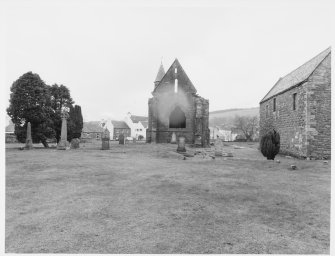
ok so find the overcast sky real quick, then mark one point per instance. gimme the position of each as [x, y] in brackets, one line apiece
[108, 52]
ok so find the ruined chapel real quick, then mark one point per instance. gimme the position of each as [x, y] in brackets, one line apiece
[176, 108]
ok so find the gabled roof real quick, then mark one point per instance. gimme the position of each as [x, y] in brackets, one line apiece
[120, 125]
[160, 74]
[181, 74]
[137, 119]
[297, 76]
[145, 124]
[93, 126]
[10, 128]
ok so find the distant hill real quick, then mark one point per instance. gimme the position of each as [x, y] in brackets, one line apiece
[227, 116]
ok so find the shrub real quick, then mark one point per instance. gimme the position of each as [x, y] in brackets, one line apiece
[270, 144]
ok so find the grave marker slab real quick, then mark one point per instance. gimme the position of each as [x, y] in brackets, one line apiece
[29, 141]
[181, 144]
[105, 139]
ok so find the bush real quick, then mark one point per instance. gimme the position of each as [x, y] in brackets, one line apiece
[270, 144]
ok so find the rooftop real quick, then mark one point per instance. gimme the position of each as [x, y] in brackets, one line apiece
[297, 76]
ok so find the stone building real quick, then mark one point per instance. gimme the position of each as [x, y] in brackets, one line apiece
[176, 107]
[92, 130]
[120, 127]
[299, 107]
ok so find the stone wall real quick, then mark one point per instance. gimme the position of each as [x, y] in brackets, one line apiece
[305, 131]
[319, 111]
[288, 122]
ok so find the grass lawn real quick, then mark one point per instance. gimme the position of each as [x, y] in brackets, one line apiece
[142, 198]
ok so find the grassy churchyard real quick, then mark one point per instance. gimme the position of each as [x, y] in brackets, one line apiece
[142, 198]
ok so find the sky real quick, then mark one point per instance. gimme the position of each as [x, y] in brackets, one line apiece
[108, 52]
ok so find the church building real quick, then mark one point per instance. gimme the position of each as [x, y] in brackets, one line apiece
[176, 108]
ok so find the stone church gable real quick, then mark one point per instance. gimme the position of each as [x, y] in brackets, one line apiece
[175, 108]
[167, 83]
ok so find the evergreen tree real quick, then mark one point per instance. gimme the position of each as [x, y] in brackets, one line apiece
[30, 101]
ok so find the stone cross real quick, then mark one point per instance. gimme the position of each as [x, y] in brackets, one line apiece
[29, 141]
[105, 139]
[173, 138]
[63, 143]
[181, 144]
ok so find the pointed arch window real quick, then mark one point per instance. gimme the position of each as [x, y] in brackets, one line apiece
[177, 118]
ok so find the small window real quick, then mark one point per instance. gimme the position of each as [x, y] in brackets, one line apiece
[267, 110]
[274, 105]
[176, 85]
[175, 70]
[294, 100]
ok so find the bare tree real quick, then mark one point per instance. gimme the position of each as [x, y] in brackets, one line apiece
[248, 125]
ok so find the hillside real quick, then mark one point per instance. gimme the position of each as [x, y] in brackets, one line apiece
[227, 116]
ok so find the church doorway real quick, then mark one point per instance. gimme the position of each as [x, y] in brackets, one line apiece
[177, 118]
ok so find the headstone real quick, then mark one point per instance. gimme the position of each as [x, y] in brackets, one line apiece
[29, 141]
[197, 141]
[105, 139]
[121, 139]
[218, 145]
[63, 144]
[75, 143]
[181, 144]
[173, 138]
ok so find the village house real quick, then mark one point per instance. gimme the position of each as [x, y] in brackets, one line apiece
[176, 108]
[298, 106]
[120, 127]
[138, 125]
[222, 133]
[92, 130]
[10, 136]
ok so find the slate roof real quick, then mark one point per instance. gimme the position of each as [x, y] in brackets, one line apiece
[120, 125]
[297, 76]
[160, 74]
[93, 126]
[145, 124]
[137, 119]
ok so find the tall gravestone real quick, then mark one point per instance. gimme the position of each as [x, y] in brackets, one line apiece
[29, 141]
[173, 138]
[218, 145]
[75, 143]
[105, 139]
[121, 139]
[63, 143]
[181, 144]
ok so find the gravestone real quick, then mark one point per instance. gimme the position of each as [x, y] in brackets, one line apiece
[218, 145]
[197, 141]
[105, 139]
[63, 144]
[121, 139]
[173, 138]
[181, 144]
[29, 141]
[75, 143]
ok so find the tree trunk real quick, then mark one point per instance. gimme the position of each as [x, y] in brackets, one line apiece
[45, 143]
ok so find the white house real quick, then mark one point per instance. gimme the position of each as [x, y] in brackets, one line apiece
[224, 134]
[137, 125]
[107, 123]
